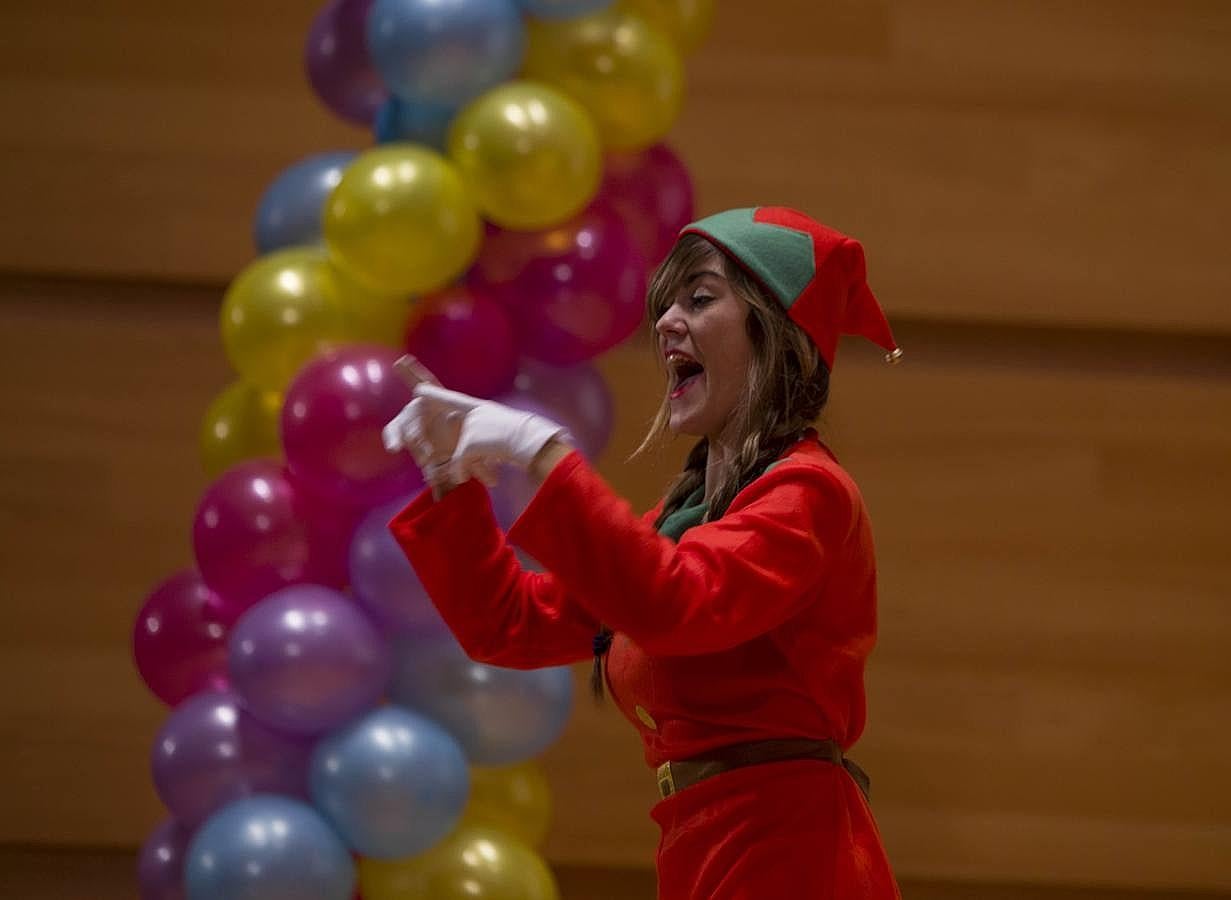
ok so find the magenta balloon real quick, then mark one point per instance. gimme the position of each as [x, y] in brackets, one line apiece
[337, 62]
[160, 867]
[572, 291]
[250, 535]
[331, 423]
[307, 659]
[652, 192]
[210, 752]
[577, 397]
[383, 581]
[179, 639]
[467, 341]
[331, 526]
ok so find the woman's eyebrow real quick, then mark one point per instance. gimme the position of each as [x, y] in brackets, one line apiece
[701, 273]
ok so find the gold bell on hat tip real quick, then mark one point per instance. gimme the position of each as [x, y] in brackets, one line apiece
[894, 357]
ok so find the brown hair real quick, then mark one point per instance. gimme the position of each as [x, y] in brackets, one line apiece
[786, 389]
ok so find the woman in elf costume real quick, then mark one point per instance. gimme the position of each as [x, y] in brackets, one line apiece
[736, 616]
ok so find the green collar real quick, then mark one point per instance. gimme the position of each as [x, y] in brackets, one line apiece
[691, 512]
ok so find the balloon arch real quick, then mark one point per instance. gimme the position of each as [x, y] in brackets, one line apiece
[327, 737]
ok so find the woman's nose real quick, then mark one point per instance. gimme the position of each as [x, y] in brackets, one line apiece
[669, 323]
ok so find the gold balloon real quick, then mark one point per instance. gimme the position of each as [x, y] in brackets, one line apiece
[401, 220]
[627, 75]
[513, 799]
[241, 423]
[280, 312]
[684, 21]
[529, 154]
[471, 864]
[375, 318]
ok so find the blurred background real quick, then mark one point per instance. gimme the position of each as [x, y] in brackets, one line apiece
[1043, 191]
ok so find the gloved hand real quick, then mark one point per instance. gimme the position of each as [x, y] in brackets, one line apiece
[489, 433]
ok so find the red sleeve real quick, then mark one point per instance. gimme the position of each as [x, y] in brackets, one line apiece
[724, 583]
[499, 613]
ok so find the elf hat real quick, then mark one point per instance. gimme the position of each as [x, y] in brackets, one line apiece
[817, 274]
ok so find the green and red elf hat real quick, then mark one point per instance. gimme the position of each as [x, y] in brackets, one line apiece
[818, 274]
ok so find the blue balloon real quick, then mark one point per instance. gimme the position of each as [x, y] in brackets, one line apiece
[383, 581]
[289, 213]
[392, 783]
[422, 123]
[563, 9]
[499, 716]
[445, 52]
[268, 848]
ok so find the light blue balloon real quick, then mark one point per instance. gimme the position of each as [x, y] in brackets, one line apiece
[289, 213]
[499, 716]
[445, 52]
[422, 123]
[563, 9]
[267, 847]
[392, 783]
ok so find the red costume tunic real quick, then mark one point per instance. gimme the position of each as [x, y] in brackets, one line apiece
[753, 626]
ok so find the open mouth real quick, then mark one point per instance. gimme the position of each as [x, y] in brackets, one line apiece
[685, 372]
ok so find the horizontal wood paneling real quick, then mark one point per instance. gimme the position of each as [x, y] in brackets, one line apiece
[1048, 698]
[1014, 160]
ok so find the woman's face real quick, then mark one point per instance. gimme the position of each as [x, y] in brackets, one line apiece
[704, 340]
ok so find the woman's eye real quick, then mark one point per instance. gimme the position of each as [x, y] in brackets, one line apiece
[701, 299]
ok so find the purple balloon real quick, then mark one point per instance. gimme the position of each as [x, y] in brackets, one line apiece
[251, 537]
[179, 639]
[384, 582]
[160, 867]
[331, 423]
[210, 752]
[573, 291]
[338, 65]
[652, 192]
[307, 659]
[577, 397]
[467, 341]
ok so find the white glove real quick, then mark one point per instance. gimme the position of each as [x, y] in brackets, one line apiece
[490, 433]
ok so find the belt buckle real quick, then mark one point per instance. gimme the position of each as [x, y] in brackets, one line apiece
[666, 781]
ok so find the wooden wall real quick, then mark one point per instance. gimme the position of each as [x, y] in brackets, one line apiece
[1041, 188]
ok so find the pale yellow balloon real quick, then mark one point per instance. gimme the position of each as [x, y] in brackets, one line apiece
[280, 312]
[512, 799]
[627, 75]
[529, 155]
[241, 423]
[471, 864]
[375, 318]
[401, 220]
[686, 22]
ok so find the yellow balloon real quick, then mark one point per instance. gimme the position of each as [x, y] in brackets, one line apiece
[627, 75]
[513, 799]
[241, 423]
[471, 864]
[529, 154]
[401, 220]
[280, 312]
[686, 22]
[375, 318]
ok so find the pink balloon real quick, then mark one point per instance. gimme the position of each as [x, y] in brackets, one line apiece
[653, 192]
[336, 58]
[332, 418]
[179, 639]
[573, 291]
[467, 341]
[250, 536]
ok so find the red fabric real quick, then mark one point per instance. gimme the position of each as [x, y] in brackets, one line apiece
[754, 626]
[838, 300]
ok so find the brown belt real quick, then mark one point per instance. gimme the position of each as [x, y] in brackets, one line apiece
[675, 776]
